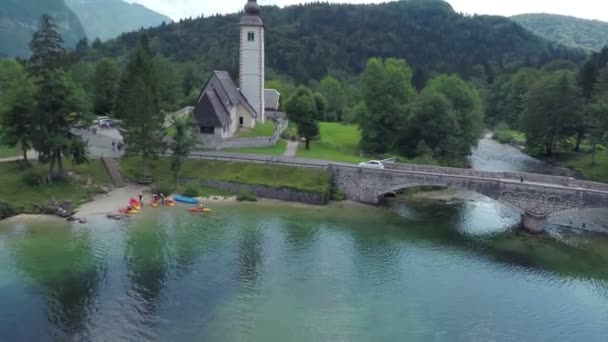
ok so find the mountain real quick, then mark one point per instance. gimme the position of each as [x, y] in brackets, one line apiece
[305, 41]
[566, 30]
[19, 20]
[106, 19]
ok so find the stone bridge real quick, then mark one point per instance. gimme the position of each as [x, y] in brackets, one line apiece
[535, 196]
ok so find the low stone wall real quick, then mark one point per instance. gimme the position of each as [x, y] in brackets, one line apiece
[283, 194]
[213, 142]
[246, 142]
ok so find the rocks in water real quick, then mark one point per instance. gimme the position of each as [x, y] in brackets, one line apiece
[74, 219]
[115, 216]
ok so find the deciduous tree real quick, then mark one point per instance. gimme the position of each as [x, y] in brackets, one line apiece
[386, 90]
[552, 104]
[183, 141]
[301, 111]
[332, 90]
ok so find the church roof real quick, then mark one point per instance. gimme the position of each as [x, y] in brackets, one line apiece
[210, 112]
[252, 14]
[217, 99]
[271, 99]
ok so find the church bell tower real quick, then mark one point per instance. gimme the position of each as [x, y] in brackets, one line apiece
[251, 58]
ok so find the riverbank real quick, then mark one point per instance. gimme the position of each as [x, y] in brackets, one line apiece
[24, 190]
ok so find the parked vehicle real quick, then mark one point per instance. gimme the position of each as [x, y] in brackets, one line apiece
[107, 123]
[100, 119]
[372, 164]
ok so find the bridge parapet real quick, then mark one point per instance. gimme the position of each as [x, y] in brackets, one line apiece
[370, 186]
[516, 176]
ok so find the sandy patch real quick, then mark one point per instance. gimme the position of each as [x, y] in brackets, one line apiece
[112, 201]
[222, 199]
[31, 218]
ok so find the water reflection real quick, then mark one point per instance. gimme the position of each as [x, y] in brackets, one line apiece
[265, 273]
[146, 263]
[66, 267]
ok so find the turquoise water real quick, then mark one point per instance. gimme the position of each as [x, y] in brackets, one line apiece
[260, 272]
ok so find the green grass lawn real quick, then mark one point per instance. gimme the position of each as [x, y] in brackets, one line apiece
[275, 150]
[581, 162]
[256, 174]
[260, 130]
[338, 142]
[19, 194]
[320, 150]
[7, 152]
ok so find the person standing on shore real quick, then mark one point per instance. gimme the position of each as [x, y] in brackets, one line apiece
[141, 199]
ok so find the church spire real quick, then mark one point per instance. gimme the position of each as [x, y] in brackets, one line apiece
[252, 8]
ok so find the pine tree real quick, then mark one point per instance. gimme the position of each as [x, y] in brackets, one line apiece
[138, 104]
[47, 49]
[105, 84]
[59, 105]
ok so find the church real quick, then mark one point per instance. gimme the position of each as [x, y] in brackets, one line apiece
[223, 108]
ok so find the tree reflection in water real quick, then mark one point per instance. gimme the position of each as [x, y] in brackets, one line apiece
[67, 269]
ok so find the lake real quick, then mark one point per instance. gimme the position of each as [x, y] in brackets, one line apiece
[276, 272]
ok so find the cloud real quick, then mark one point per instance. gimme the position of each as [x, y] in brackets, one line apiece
[591, 9]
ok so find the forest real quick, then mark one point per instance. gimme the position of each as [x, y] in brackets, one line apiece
[417, 78]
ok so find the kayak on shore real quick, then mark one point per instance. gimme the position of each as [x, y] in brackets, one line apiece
[184, 199]
[199, 210]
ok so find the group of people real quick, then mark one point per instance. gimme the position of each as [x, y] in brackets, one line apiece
[159, 197]
[117, 146]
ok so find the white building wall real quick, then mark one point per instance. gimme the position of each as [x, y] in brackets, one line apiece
[251, 68]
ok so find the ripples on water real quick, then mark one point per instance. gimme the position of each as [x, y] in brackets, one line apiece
[265, 273]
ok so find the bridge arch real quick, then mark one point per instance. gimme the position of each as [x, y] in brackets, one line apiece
[484, 192]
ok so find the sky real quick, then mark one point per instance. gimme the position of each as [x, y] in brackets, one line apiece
[589, 9]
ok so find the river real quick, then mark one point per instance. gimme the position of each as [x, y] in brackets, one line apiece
[267, 271]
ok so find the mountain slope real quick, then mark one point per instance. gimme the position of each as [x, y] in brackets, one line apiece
[305, 41]
[19, 20]
[106, 19]
[570, 31]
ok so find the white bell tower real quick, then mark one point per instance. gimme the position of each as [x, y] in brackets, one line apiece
[251, 58]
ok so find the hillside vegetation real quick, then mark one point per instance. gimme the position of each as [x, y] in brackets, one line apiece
[305, 41]
[19, 20]
[567, 30]
[105, 19]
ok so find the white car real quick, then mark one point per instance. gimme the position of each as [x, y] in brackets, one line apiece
[107, 123]
[100, 119]
[372, 164]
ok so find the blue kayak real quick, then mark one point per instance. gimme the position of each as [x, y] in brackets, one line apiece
[184, 199]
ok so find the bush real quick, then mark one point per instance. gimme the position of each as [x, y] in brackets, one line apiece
[33, 177]
[246, 196]
[6, 210]
[192, 190]
[163, 188]
[502, 126]
[338, 196]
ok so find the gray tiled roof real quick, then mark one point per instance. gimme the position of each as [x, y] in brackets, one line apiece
[217, 99]
[251, 20]
[271, 99]
[210, 111]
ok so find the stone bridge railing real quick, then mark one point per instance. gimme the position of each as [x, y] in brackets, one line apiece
[518, 176]
[533, 195]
